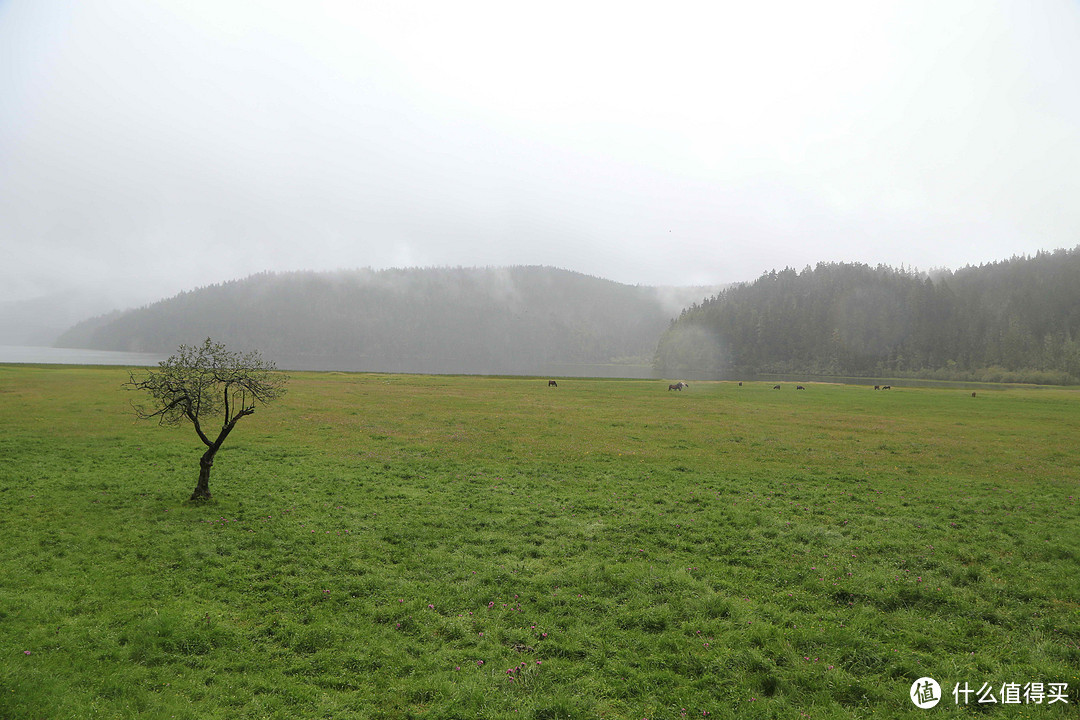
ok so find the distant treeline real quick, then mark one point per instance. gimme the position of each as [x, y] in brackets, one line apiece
[468, 320]
[1013, 321]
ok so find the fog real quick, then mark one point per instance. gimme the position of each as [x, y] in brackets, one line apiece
[153, 146]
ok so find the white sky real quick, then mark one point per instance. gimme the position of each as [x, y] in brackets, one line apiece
[161, 145]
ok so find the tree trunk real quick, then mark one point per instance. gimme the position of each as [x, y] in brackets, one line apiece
[202, 489]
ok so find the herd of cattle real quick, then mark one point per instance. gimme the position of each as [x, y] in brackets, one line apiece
[681, 385]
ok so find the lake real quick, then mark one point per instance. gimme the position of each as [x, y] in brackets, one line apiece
[78, 356]
[74, 356]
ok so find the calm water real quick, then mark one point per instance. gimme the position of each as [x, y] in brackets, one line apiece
[78, 356]
[74, 356]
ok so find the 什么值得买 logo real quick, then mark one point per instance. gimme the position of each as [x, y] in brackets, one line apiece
[925, 693]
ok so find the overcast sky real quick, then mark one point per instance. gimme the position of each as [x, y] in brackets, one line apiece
[161, 145]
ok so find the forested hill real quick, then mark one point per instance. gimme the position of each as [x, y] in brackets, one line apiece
[1017, 320]
[471, 320]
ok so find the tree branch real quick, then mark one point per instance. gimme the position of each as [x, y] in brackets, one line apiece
[198, 382]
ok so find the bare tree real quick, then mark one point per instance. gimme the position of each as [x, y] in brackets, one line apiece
[200, 384]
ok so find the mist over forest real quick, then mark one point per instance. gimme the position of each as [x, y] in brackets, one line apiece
[1014, 320]
[514, 320]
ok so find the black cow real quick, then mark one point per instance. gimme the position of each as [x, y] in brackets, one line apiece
[552, 383]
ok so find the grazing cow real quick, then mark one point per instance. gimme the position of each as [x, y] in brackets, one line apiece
[775, 387]
[552, 383]
[886, 387]
[799, 387]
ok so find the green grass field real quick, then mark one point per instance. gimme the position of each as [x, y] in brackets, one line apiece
[385, 546]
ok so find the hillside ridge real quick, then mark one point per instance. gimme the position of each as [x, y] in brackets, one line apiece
[1016, 320]
[491, 320]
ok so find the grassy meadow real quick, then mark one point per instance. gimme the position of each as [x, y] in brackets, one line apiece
[395, 546]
